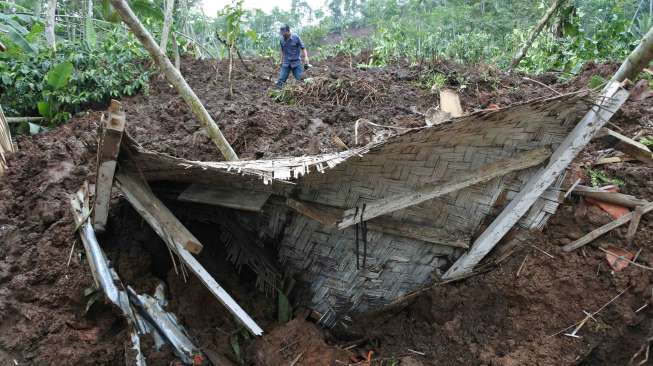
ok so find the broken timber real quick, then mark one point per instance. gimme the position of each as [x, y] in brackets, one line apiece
[177, 237]
[6, 144]
[328, 216]
[611, 99]
[631, 147]
[102, 273]
[225, 197]
[397, 202]
[606, 228]
[610, 197]
[109, 147]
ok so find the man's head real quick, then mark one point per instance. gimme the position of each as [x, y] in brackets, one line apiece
[285, 31]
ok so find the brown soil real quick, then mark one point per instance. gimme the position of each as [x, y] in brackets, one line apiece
[497, 318]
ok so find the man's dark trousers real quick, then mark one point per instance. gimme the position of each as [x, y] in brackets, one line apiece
[297, 71]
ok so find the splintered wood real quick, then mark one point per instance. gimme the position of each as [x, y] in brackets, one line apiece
[179, 240]
[108, 148]
[6, 145]
[607, 228]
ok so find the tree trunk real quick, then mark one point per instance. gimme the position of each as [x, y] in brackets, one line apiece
[49, 24]
[175, 78]
[167, 23]
[89, 9]
[176, 50]
[231, 66]
[637, 60]
[521, 53]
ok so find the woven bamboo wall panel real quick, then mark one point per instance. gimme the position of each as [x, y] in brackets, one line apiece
[325, 258]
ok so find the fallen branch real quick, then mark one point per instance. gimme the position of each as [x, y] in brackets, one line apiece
[604, 229]
[175, 78]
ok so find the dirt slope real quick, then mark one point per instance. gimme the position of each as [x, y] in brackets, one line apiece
[496, 319]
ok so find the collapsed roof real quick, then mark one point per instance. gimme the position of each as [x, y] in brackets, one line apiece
[363, 227]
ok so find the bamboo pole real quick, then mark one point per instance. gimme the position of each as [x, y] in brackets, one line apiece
[521, 53]
[23, 119]
[175, 78]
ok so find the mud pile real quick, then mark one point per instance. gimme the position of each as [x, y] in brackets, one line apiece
[496, 319]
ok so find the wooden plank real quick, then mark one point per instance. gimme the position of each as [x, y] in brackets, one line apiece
[174, 234]
[414, 231]
[631, 147]
[239, 199]
[6, 144]
[605, 228]
[611, 99]
[108, 149]
[634, 223]
[329, 215]
[326, 215]
[156, 213]
[400, 201]
[610, 197]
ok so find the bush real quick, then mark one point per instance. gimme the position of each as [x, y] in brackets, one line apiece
[111, 69]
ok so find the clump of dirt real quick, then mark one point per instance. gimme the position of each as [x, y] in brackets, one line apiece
[497, 318]
[297, 342]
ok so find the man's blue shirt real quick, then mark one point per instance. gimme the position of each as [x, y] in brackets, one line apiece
[291, 49]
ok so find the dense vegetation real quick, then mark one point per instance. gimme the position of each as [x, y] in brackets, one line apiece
[92, 57]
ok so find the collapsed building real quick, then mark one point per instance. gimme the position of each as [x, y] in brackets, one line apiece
[357, 229]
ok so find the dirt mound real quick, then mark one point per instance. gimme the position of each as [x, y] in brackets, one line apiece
[499, 318]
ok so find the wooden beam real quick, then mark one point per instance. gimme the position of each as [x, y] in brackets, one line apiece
[631, 147]
[175, 235]
[610, 197]
[329, 215]
[238, 199]
[609, 102]
[108, 149]
[409, 230]
[326, 215]
[488, 172]
[606, 228]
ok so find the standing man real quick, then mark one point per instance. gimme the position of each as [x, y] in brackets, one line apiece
[291, 45]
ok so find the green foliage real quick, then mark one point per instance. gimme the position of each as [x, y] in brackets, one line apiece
[58, 84]
[283, 95]
[284, 308]
[596, 81]
[241, 335]
[433, 80]
[648, 141]
[598, 178]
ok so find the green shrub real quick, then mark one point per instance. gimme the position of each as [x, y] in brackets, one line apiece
[112, 69]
